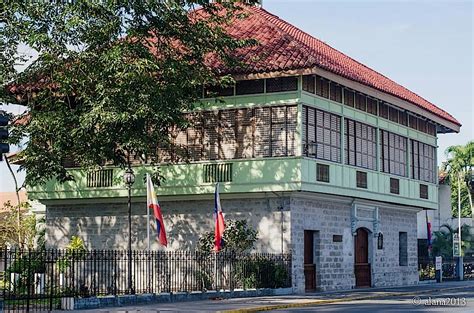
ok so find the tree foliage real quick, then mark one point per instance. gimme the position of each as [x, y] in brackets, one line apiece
[26, 234]
[459, 166]
[238, 237]
[443, 240]
[111, 77]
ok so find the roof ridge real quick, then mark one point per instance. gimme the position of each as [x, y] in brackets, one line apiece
[272, 18]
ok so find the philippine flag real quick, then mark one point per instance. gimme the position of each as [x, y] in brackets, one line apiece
[153, 204]
[219, 222]
[428, 230]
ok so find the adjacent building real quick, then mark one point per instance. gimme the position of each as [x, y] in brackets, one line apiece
[328, 159]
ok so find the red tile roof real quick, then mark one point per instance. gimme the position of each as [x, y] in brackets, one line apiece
[282, 47]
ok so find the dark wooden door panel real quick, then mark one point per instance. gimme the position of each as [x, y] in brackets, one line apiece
[310, 277]
[362, 273]
[362, 265]
[309, 266]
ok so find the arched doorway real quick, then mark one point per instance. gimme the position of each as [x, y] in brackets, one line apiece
[361, 254]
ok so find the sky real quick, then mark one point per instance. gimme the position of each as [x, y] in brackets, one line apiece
[426, 46]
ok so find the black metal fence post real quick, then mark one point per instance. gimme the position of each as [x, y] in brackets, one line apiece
[40, 279]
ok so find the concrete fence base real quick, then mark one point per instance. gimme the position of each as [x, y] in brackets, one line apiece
[141, 299]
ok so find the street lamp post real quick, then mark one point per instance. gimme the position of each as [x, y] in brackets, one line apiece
[129, 179]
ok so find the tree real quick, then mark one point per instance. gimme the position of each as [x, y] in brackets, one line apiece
[26, 233]
[443, 240]
[112, 78]
[238, 238]
[460, 160]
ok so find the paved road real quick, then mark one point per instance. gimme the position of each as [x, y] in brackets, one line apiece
[396, 302]
[422, 303]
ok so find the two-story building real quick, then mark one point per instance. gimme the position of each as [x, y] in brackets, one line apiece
[325, 157]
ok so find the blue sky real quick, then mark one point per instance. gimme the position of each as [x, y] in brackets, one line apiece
[426, 46]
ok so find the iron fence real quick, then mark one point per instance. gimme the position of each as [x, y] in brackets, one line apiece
[40, 279]
[426, 268]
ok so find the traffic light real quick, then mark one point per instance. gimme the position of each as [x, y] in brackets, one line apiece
[4, 147]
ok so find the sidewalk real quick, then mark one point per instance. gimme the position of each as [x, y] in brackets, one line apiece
[279, 302]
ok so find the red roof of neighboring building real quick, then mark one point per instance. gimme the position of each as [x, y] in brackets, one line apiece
[282, 47]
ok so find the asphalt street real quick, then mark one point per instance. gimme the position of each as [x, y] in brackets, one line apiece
[445, 297]
[455, 301]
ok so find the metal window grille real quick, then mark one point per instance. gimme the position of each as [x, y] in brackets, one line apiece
[322, 173]
[361, 179]
[214, 173]
[100, 178]
[394, 186]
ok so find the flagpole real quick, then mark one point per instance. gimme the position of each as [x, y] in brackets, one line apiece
[148, 214]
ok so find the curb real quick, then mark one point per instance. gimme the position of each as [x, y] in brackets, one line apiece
[337, 300]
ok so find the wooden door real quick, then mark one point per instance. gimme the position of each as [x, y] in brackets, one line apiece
[362, 265]
[309, 266]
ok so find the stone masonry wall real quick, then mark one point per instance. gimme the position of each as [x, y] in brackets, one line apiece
[386, 269]
[105, 225]
[335, 260]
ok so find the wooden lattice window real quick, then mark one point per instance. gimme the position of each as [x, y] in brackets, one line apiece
[325, 88]
[423, 191]
[423, 161]
[394, 153]
[322, 173]
[383, 110]
[335, 92]
[412, 121]
[248, 87]
[309, 82]
[393, 114]
[360, 144]
[422, 125]
[348, 97]
[403, 118]
[394, 186]
[280, 84]
[361, 179]
[431, 129]
[321, 134]
[371, 106]
[360, 102]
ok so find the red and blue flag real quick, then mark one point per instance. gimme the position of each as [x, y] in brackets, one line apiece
[219, 221]
[152, 203]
